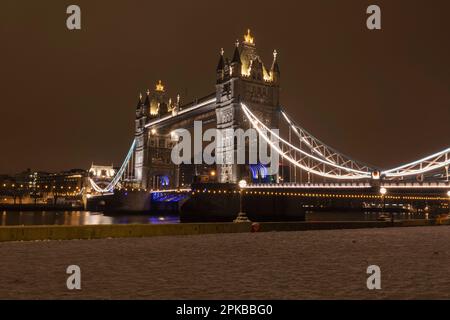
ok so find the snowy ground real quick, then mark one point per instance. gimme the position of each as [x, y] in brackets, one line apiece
[298, 265]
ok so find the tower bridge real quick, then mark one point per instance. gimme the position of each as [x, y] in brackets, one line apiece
[247, 95]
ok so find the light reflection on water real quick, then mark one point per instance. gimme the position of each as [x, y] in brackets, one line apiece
[360, 216]
[79, 218]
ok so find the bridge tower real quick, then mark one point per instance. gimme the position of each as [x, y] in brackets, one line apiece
[153, 168]
[243, 79]
[140, 154]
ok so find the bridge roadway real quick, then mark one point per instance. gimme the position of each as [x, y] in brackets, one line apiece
[221, 202]
[395, 192]
[214, 202]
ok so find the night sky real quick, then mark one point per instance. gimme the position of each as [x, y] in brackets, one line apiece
[68, 97]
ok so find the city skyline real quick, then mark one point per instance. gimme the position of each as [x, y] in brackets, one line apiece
[71, 96]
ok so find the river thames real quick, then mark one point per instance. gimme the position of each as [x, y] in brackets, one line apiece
[78, 218]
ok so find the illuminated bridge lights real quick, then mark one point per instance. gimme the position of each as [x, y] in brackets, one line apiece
[322, 195]
[321, 167]
[310, 195]
[311, 156]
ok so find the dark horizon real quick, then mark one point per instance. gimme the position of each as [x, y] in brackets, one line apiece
[69, 97]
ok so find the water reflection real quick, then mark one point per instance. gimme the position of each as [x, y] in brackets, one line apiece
[360, 216]
[79, 218]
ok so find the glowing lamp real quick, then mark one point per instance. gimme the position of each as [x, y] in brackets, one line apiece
[242, 184]
[376, 175]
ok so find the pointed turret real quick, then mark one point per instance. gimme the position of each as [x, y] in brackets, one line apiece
[176, 107]
[147, 100]
[160, 87]
[237, 54]
[221, 63]
[248, 38]
[236, 63]
[220, 67]
[275, 70]
[139, 104]
[248, 53]
[139, 107]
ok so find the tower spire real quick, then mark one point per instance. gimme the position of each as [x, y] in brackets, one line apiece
[159, 86]
[275, 66]
[221, 64]
[139, 104]
[275, 70]
[248, 38]
[147, 99]
[237, 54]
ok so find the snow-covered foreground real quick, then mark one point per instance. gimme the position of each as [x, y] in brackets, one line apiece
[298, 265]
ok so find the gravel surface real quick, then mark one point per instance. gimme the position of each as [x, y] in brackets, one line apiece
[296, 265]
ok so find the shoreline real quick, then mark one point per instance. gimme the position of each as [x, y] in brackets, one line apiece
[87, 232]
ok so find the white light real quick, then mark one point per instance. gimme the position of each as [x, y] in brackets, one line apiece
[416, 186]
[118, 175]
[251, 116]
[153, 131]
[242, 184]
[383, 191]
[174, 136]
[315, 186]
[376, 175]
[197, 106]
[305, 140]
[427, 164]
[448, 194]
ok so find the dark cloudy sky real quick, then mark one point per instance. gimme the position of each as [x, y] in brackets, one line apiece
[68, 97]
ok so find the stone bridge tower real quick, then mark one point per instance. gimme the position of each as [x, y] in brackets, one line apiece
[243, 79]
[152, 161]
[140, 154]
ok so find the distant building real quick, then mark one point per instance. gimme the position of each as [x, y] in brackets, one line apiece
[23, 178]
[102, 175]
[4, 178]
[66, 181]
[39, 187]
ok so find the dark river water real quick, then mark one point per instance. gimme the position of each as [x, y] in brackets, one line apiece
[77, 218]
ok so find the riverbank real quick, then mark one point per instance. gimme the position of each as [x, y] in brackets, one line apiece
[327, 264]
[33, 233]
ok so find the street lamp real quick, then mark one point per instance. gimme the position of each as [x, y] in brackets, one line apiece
[383, 192]
[243, 185]
[242, 217]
